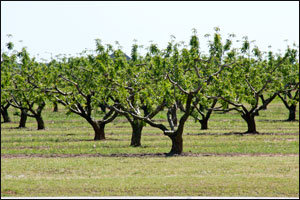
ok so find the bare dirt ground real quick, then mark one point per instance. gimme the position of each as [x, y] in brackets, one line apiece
[3, 156]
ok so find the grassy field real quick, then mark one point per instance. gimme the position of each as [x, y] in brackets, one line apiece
[63, 160]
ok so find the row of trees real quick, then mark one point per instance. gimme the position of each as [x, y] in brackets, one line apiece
[177, 78]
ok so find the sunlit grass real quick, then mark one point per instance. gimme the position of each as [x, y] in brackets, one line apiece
[177, 176]
[264, 164]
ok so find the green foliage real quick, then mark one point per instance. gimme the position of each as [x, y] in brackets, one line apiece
[237, 74]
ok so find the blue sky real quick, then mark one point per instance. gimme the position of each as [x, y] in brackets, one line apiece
[70, 27]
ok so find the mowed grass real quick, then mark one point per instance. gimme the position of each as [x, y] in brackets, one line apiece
[242, 165]
[169, 176]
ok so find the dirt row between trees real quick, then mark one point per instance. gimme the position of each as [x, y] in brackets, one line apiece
[3, 156]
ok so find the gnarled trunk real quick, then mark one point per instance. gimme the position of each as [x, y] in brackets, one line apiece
[205, 117]
[204, 124]
[23, 119]
[40, 122]
[5, 115]
[99, 131]
[292, 113]
[176, 137]
[249, 118]
[38, 116]
[177, 143]
[137, 127]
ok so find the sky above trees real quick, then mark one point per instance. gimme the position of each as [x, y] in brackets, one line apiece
[47, 28]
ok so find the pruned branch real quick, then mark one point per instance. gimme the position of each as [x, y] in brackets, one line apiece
[177, 85]
[230, 102]
[145, 119]
[284, 101]
[109, 117]
[222, 67]
[199, 111]
[61, 92]
[157, 110]
[267, 101]
[228, 110]
[76, 85]
[251, 87]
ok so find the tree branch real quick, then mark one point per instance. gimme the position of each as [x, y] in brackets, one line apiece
[230, 102]
[157, 110]
[176, 84]
[76, 85]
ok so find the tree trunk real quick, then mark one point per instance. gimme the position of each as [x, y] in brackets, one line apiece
[292, 113]
[99, 131]
[137, 127]
[250, 123]
[23, 119]
[40, 122]
[177, 143]
[205, 118]
[263, 102]
[174, 115]
[5, 115]
[55, 107]
[176, 137]
[204, 124]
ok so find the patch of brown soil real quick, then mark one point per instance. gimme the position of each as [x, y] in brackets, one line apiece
[8, 192]
[3, 156]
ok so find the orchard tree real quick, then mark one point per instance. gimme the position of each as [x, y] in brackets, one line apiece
[6, 62]
[190, 77]
[8, 59]
[289, 74]
[203, 111]
[133, 90]
[4, 109]
[220, 55]
[22, 90]
[243, 86]
[82, 84]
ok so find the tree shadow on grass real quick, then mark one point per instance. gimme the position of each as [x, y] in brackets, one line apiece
[184, 154]
[217, 134]
[61, 140]
[10, 128]
[277, 120]
[222, 134]
[238, 133]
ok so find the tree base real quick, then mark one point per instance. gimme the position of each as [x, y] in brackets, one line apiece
[135, 145]
[251, 132]
[171, 154]
[291, 120]
[97, 139]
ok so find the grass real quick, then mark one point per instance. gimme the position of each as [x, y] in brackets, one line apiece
[266, 164]
[176, 176]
